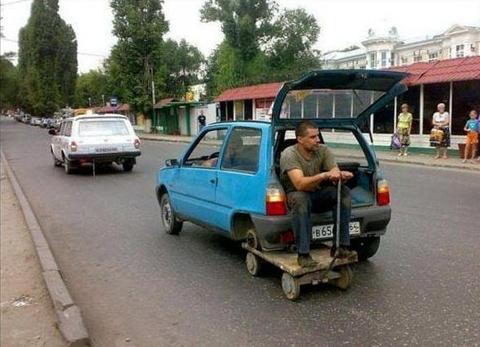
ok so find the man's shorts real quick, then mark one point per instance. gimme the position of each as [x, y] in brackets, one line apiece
[472, 138]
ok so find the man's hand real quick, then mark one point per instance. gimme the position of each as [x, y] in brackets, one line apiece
[334, 174]
[346, 175]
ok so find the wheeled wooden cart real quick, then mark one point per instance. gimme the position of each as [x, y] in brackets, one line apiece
[337, 272]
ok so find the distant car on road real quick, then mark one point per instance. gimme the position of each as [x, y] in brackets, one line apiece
[36, 121]
[98, 139]
[228, 178]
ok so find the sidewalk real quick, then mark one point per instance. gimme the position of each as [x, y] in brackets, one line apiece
[27, 314]
[382, 155]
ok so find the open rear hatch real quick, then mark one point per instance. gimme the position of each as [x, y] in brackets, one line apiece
[337, 97]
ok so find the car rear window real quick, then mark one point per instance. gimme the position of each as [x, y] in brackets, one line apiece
[102, 128]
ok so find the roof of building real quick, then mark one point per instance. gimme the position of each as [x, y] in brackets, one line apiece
[164, 102]
[259, 91]
[449, 70]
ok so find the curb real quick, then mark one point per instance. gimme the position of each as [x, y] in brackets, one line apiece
[69, 319]
[388, 160]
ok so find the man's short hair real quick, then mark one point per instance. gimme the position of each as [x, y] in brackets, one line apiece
[302, 127]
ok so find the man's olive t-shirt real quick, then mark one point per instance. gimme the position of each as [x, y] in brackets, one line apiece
[322, 160]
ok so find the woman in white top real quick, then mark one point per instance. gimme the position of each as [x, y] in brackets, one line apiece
[441, 121]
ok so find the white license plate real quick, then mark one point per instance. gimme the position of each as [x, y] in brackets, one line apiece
[105, 149]
[326, 231]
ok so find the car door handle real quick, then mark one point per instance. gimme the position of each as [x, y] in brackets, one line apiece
[213, 180]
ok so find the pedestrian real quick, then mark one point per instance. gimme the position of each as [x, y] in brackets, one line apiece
[201, 120]
[440, 134]
[309, 174]
[471, 128]
[404, 128]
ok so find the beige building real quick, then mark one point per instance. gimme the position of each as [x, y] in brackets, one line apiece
[384, 51]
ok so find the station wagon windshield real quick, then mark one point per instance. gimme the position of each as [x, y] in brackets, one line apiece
[102, 128]
[328, 103]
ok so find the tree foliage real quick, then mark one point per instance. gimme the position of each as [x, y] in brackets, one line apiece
[136, 60]
[91, 89]
[183, 63]
[261, 44]
[8, 83]
[47, 60]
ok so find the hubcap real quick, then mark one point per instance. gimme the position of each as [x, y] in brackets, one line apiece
[167, 214]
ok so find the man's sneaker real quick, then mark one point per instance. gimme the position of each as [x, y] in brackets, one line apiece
[342, 252]
[305, 260]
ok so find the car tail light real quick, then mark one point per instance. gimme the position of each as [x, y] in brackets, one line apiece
[276, 201]
[383, 193]
[73, 146]
[136, 143]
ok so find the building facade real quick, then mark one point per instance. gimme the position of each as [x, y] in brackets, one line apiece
[385, 51]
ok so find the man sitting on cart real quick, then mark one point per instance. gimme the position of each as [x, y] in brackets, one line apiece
[304, 170]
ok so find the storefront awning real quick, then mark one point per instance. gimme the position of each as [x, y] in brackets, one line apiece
[441, 71]
[259, 91]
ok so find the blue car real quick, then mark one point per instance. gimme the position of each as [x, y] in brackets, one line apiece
[228, 178]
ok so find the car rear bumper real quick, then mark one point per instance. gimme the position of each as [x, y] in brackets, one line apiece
[103, 156]
[373, 222]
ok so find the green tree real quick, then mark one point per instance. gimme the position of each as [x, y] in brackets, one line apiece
[47, 60]
[91, 89]
[136, 60]
[261, 43]
[184, 65]
[290, 49]
[8, 82]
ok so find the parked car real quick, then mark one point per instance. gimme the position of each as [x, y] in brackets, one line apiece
[99, 139]
[26, 118]
[36, 121]
[228, 178]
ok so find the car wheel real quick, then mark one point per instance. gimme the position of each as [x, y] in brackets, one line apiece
[56, 162]
[127, 165]
[170, 222]
[67, 165]
[366, 247]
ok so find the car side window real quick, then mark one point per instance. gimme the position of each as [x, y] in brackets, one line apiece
[242, 151]
[68, 129]
[206, 152]
[62, 129]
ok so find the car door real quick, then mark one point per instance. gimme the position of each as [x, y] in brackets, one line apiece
[57, 142]
[241, 178]
[194, 187]
[65, 136]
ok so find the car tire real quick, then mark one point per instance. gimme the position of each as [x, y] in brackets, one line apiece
[127, 165]
[56, 162]
[170, 222]
[366, 247]
[67, 165]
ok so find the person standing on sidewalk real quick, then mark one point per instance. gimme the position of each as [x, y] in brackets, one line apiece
[404, 127]
[202, 121]
[441, 122]
[472, 129]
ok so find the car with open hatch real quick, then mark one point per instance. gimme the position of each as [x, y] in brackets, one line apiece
[227, 180]
[95, 140]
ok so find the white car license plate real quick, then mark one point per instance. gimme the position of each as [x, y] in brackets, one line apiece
[326, 231]
[105, 149]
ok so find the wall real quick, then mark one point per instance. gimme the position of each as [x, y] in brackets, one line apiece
[209, 111]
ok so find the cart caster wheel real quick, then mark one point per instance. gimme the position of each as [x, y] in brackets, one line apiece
[290, 286]
[345, 280]
[252, 240]
[254, 264]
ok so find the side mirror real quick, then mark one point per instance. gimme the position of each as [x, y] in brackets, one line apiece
[52, 132]
[171, 162]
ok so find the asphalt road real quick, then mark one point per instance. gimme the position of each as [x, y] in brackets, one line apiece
[138, 286]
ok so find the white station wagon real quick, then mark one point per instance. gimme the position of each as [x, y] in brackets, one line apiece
[95, 139]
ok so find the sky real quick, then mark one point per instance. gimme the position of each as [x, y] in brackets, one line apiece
[342, 22]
